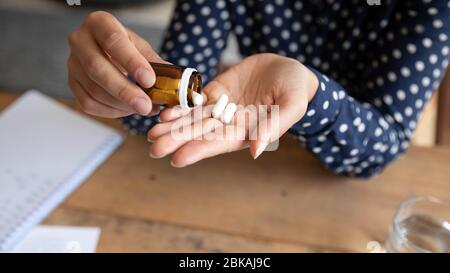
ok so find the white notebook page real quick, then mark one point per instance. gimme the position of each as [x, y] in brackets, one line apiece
[46, 151]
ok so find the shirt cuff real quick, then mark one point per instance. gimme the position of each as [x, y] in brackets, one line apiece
[138, 124]
[323, 109]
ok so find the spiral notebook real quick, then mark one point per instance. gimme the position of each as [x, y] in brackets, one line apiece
[46, 151]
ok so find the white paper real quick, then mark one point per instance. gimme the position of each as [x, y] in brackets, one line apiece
[59, 239]
[46, 151]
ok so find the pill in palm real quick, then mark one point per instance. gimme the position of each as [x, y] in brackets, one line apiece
[219, 107]
[228, 113]
[197, 99]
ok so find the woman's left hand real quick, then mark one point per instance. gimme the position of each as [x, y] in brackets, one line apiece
[259, 80]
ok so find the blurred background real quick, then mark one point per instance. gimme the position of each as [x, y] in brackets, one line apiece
[34, 48]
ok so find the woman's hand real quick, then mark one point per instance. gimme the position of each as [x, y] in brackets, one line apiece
[260, 80]
[103, 52]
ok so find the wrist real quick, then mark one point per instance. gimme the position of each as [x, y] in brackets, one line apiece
[311, 81]
[312, 84]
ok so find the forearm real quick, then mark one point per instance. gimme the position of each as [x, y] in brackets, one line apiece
[348, 136]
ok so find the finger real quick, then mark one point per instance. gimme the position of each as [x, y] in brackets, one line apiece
[170, 142]
[176, 112]
[211, 93]
[90, 105]
[264, 130]
[114, 39]
[118, 66]
[94, 90]
[99, 69]
[273, 125]
[173, 113]
[163, 128]
[155, 110]
[213, 90]
[145, 48]
[197, 150]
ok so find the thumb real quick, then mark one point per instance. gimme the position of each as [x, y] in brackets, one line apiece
[274, 124]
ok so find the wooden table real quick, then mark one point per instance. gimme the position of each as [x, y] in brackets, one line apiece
[284, 201]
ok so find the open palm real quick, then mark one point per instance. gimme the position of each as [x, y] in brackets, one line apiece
[256, 84]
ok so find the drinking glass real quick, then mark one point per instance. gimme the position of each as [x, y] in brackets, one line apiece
[421, 225]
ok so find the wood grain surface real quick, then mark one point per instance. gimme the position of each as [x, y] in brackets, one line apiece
[284, 202]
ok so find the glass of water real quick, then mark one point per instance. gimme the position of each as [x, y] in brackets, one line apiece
[421, 225]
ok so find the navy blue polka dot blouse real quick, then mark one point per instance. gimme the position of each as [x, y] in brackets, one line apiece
[377, 66]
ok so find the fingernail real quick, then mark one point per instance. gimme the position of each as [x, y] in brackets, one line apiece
[149, 140]
[260, 150]
[156, 156]
[174, 165]
[145, 77]
[142, 106]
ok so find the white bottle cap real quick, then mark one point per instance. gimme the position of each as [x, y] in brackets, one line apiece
[183, 87]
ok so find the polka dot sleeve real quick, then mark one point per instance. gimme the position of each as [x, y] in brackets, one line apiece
[196, 37]
[359, 134]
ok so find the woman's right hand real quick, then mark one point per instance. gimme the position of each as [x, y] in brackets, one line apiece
[103, 52]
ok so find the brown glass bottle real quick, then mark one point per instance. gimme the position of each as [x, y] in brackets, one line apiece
[174, 85]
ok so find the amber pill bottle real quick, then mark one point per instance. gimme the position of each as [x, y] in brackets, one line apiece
[174, 85]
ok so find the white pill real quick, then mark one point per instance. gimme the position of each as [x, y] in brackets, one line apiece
[228, 113]
[197, 99]
[219, 106]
